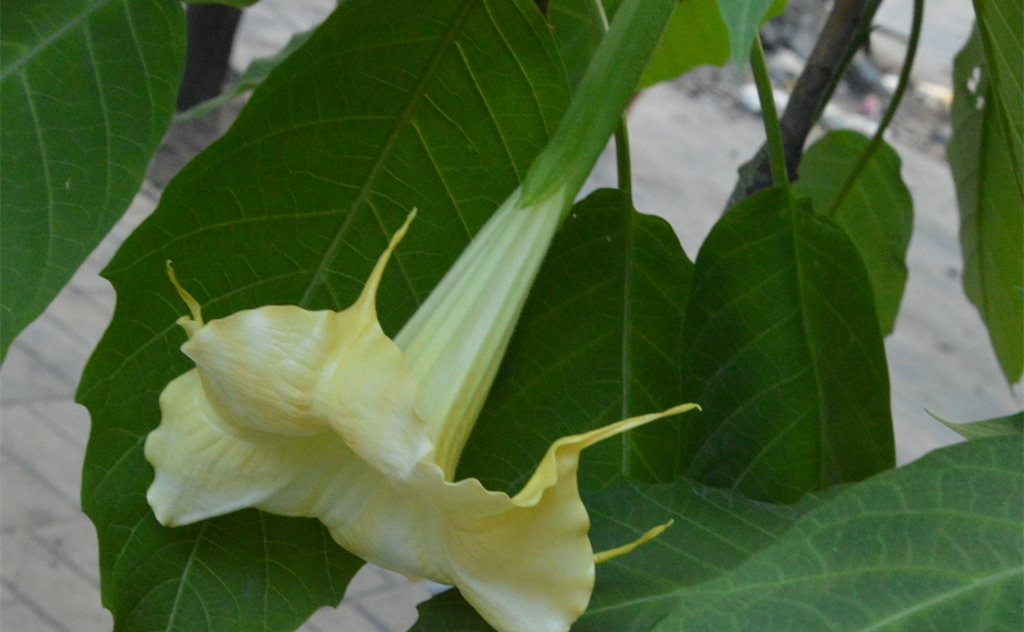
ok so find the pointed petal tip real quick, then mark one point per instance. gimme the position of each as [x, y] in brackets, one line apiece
[368, 298]
[189, 325]
[588, 439]
[610, 554]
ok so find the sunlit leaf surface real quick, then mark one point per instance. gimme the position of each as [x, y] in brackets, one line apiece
[877, 212]
[597, 342]
[990, 199]
[696, 36]
[782, 350]
[87, 91]
[389, 106]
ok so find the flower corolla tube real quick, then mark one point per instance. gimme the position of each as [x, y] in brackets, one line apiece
[320, 414]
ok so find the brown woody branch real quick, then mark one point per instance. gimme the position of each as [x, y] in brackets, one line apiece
[812, 90]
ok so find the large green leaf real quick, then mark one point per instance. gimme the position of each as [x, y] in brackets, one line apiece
[936, 545]
[990, 199]
[696, 36]
[389, 106]
[714, 531]
[1008, 425]
[782, 350]
[597, 342]
[743, 19]
[252, 77]
[1001, 25]
[876, 212]
[87, 91]
[578, 28]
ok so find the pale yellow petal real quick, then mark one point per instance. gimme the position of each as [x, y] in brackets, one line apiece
[368, 397]
[527, 568]
[549, 471]
[525, 563]
[260, 368]
[202, 471]
[313, 414]
[530, 566]
[283, 371]
[396, 525]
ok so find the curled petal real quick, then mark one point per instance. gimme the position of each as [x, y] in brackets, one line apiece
[313, 414]
[524, 562]
[260, 369]
[282, 371]
[203, 471]
[531, 567]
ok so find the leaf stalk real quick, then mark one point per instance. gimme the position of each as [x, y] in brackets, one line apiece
[890, 112]
[622, 160]
[770, 116]
[596, 109]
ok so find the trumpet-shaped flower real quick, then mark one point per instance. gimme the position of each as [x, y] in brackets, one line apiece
[320, 414]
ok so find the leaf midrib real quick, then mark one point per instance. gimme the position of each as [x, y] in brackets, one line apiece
[681, 593]
[813, 355]
[45, 43]
[401, 123]
[179, 594]
[627, 349]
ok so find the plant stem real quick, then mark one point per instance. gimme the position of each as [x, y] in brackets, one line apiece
[598, 14]
[776, 154]
[829, 58]
[812, 89]
[890, 112]
[597, 106]
[455, 341]
[622, 161]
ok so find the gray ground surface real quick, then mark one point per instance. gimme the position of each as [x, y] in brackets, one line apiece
[688, 139]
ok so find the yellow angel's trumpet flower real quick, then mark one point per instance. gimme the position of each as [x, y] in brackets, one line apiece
[320, 414]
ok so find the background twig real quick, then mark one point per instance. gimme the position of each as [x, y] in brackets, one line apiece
[828, 59]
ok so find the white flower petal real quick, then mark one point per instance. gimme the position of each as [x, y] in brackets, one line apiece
[202, 471]
[282, 371]
[531, 567]
[314, 414]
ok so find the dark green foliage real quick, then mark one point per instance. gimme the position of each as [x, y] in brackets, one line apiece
[375, 115]
[783, 351]
[87, 91]
[988, 187]
[597, 342]
[876, 212]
